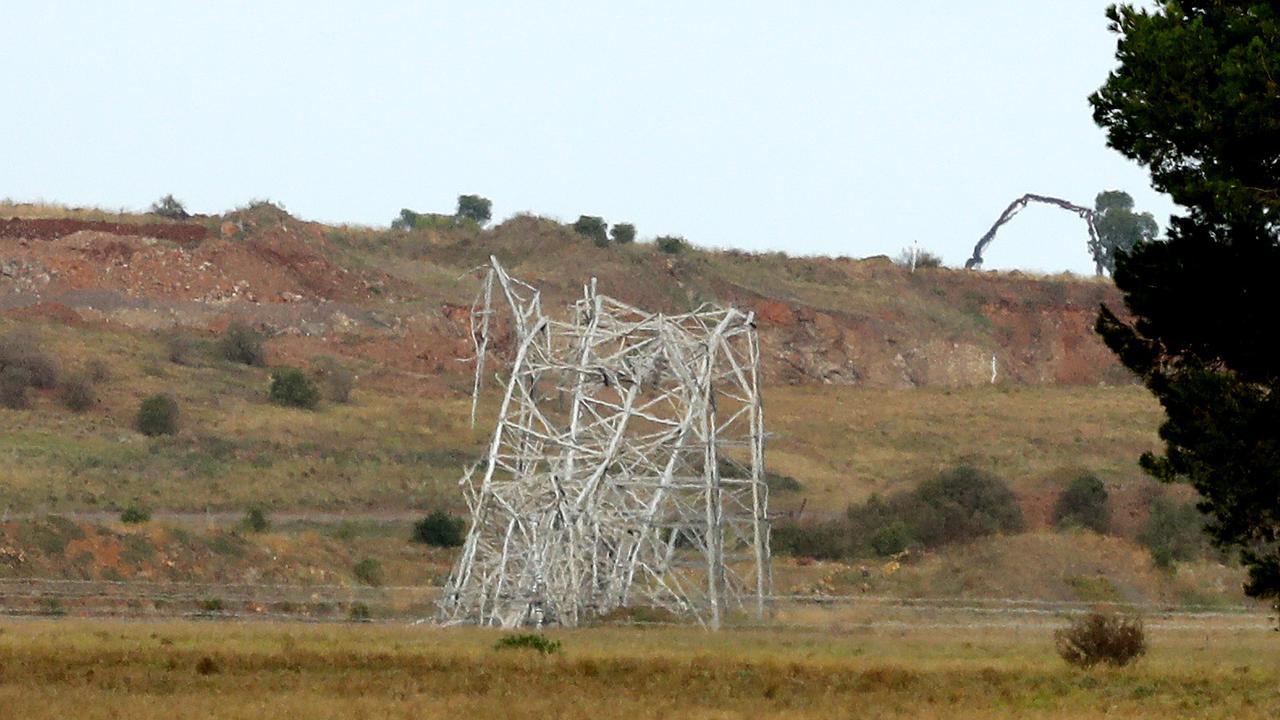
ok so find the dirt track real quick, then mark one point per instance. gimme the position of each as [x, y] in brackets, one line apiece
[52, 229]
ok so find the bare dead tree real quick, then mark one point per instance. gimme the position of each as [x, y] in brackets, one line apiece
[1095, 246]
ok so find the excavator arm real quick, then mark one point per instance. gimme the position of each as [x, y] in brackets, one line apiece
[1095, 247]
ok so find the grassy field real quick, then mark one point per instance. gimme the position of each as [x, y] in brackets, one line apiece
[845, 443]
[390, 449]
[226, 670]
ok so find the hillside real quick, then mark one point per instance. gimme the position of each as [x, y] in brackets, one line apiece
[877, 378]
[397, 298]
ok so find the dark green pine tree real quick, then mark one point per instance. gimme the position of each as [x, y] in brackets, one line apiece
[1195, 99]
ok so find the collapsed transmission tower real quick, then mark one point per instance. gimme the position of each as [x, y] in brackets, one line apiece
[626, 467]
[1095, 245]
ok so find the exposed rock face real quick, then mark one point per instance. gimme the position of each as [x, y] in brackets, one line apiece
[1025, 343]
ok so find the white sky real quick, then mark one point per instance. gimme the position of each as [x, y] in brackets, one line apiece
[835, 128]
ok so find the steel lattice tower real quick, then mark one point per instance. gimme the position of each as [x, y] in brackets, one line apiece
[625, 469]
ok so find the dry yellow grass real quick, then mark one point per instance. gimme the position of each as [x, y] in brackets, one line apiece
[196, 670]
[845, 443]
[44, 209]
[393, 450]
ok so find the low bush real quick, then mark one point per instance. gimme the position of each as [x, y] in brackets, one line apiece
[291, 387]
[622, 233]
[14, 382]
[77, 393]
[528, 641]
[959, 505]
[180, 350]
[134, 514]
[97, 371]
[779, 483]
[359, 612]
[776, 482]
[255, 520]
[410, 220]
[51, 607]
[169, 207]
[1083, 504]
[21, 351]
[912, 257]
[157, 415]
[671, 244]
[1174, 532]
[1101, 638]
[891, 539]
[338, 381]
[820, 540]
[368, 571]
[242, 344]
[440, 529]
[593, 227]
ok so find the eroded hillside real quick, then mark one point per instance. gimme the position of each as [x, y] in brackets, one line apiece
[399, 299]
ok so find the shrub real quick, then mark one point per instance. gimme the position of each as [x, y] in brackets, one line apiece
[779, 483]
[1174, 532]
[922, 259]
[959, 505]
[255, 520]
[439, 529]
[158, 415]
[528, 641]
[179, 348]
[338, 381]
[368, 571]
[359, 612]
[134, 514]
[1101, 638]
[623, 233]
[410, 220]
[405, 221]
[824, 541]
[14, 382]
[671, 244]
[52, 607]
[776, 482]
[242, 344]
[20, 349]
[1083, 504]
[291, 387]
[474, 208]
[593, 227]
[97, 371]
[891, 539]
[77, 393]
[169, 207]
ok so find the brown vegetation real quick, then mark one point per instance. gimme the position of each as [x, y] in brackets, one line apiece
[217, 670]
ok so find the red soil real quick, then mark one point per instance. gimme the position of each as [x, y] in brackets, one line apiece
[54, 228]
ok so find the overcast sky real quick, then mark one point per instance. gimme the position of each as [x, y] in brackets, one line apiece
[833, 128]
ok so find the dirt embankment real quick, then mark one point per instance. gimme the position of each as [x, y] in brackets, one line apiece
[54, 228]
